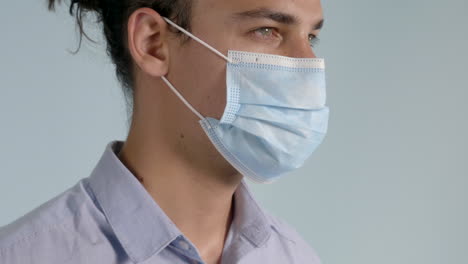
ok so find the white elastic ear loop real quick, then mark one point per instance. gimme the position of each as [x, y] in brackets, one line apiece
[182, 98]
[197, 39]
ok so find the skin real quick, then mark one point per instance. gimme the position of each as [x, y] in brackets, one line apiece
[166, 147]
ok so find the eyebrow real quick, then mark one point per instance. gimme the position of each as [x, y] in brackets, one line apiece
[277, 16]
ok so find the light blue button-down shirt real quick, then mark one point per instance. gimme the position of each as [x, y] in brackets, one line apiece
[109, 217]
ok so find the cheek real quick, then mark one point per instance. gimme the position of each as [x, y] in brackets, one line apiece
[202, 78]
[213, 101]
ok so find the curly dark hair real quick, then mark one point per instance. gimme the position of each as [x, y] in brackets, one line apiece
[114, 16]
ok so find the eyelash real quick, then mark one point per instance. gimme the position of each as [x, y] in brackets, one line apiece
[313, 39]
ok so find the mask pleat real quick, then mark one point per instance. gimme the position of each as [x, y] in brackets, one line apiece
[263, 87]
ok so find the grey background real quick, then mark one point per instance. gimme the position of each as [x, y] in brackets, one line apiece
[386, 186]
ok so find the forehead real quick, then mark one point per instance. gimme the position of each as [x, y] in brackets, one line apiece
[308, 11]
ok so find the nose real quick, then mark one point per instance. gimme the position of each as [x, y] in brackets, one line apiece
[299, 47]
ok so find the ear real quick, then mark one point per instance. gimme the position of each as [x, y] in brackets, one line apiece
[147, 41]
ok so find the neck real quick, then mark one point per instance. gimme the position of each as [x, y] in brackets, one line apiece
[197, 197]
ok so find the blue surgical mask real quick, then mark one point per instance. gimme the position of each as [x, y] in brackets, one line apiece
[275, 115]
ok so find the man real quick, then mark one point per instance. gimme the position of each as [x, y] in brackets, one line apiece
[172, 193]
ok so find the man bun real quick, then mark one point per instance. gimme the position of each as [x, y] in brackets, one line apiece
[113, 15]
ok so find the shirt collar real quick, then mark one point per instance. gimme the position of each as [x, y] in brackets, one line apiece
[138, 222]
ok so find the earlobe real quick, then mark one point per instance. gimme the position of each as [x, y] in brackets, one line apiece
[147, 34]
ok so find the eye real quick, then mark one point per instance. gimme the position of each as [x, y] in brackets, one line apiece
[313, 40]
[266, 33]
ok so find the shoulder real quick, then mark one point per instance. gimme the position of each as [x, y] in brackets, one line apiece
[50, 230]
[295, 245]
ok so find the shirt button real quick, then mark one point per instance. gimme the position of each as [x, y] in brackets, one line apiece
[184, 245]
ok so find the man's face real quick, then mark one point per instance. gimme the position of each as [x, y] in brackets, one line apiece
[281, 27]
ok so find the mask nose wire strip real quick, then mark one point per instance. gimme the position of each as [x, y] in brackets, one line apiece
[182, 98]
[197, 39]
